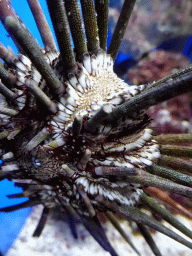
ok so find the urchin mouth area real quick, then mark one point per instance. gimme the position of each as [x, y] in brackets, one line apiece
[91, 87]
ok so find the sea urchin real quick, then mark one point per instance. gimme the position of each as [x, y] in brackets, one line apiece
[74, 136]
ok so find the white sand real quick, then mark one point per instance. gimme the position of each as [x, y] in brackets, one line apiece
[57, 240]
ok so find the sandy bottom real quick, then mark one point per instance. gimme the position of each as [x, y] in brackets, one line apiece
[57, 240]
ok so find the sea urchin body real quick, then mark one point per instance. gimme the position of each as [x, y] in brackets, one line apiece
[73, 135]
